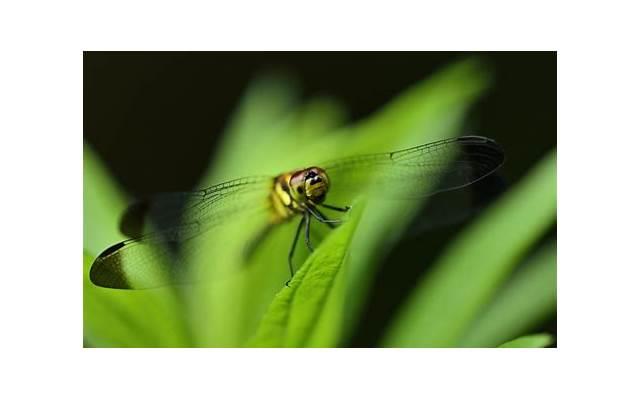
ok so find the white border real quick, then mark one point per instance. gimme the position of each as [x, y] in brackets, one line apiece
[598, 199]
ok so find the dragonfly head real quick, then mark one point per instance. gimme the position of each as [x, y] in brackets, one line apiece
[310, 184]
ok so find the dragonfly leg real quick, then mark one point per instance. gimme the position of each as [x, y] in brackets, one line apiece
[293, 249]
[307, 231]
[330, 207]
[317, 214]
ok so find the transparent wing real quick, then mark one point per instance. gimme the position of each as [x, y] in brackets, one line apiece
[168, 225]
[418, 171]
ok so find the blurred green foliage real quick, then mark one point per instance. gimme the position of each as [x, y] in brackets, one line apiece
[470, 298]
[472, 268]
[539, 340]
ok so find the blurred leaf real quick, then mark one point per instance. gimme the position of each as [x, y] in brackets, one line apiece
[467, 275]
[264, 108]
[531, 341]
[430, 110]
[102, 204]
[120, 318]
[525, 301]
[309, 311]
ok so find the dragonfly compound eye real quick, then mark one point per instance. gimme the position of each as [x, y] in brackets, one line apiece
[316, 184]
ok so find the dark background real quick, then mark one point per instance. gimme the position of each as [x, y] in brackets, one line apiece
[145, 113]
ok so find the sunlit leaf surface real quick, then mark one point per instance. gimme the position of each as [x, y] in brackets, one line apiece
[303, 314]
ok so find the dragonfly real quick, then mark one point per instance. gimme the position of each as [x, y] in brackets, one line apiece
[179, 217]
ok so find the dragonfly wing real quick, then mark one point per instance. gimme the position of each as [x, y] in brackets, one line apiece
[139, 263]
[170, 225]
[419, 171]
[168, 210]
[161, 210]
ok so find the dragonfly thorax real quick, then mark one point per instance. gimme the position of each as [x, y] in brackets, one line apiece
[295, 191]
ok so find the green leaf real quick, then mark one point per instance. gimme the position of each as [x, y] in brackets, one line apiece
[530, 341]
[430, 110]
[472, 268]
[260, 119]
[524, 302]
[309, 311]
[120, 318]
[103, 202]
